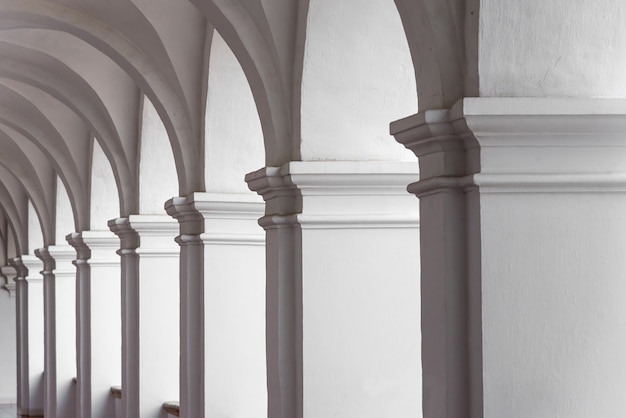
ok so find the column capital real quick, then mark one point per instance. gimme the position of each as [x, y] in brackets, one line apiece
[95, 247]
[337, 194]
[28, 267]
[522, 144]
[150, 235]
[57, 259]
[129, 240]
[212, 218]
[10, 274]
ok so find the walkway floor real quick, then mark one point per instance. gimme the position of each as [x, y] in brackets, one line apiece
[8, 411]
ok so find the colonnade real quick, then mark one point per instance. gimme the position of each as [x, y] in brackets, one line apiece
[204, 213]
[183, 311]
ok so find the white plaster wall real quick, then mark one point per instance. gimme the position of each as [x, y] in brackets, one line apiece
[554, 330]
[235, 327]
[64, 214]
[234, 140]
[105, 202]
[157, 170]
[8, 356]
[552, 48]
[361, 323]
[35, 236]
[357, 77]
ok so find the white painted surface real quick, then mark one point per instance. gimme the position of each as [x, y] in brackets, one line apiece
[357, 77]
[105, 202]
[552, 48]
[233, 137]
[157, 170]
[35, 236]
[64, 214]
[8, 355]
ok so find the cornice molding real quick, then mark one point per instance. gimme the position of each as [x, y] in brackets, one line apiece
[29, 267]
[519, 145]
[337, 195]
[148, 235]
[58, 260]
[129, 239]
[95, 247]
[217, 218]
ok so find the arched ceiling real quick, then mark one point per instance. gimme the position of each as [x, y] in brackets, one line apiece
[74, 70]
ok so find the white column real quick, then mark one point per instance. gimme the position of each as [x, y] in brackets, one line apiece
[150, 313]
[523, 244]
[342, 289]
[222, 305]
[30, 336]
[99, 321]
[60, 330]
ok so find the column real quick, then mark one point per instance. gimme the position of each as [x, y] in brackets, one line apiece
[150, 313]
[60, 330]
[99, 321]
[30, 336]
[222, 305]
[522, 202]
[342, 289]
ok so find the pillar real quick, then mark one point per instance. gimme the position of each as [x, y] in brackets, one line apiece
[522, 203]
[30, 336]
[59, 331]
[99, 321]
[222, 305]
[342, 289]
[150, 313]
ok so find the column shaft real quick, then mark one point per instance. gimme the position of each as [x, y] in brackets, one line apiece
[522, 204]
[99, 321]
[342, 289]
[150, 313]
[60, 331]
[30, 326]
[222, 305]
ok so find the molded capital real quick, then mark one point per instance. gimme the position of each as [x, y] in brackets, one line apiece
[129, 240]
[217, 218]
[57, 259]
[526, 144]
[146, 234]
[10, 274]
[337, 194]
[98, 247]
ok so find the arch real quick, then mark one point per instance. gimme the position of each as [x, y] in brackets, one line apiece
[17, 159]
[14, 203]
[153, 73]
[249, 37]
[444, 59]
[68, 87]
[25, 118]
[351, 91]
